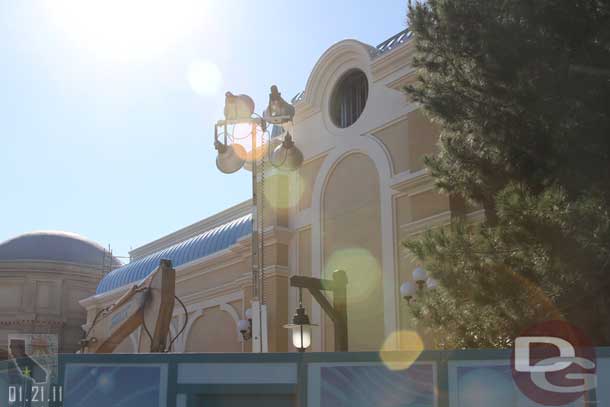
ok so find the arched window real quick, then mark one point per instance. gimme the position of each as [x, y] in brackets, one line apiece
[349, 98]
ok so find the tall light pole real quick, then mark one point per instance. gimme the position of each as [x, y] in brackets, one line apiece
[232, 156]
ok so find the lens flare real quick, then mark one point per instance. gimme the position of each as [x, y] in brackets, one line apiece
[363, 272]
[204, 77]
[242, 134]
[127, 29]
[282, 190]
[401, 349]
[537, 296]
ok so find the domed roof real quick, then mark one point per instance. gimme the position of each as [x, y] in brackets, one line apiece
[55, 246]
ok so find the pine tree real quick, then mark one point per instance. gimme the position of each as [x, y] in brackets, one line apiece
[521, 91]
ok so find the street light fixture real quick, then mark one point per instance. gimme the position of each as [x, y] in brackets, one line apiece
[420, 276]
[230, 157]
[301, 327]
[286, 155]
[245, 325]
[279, 111]
[234, 152]
[239, 111]
[408, 290]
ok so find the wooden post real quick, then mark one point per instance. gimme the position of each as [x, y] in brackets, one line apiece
[340, 306]
[338, 310]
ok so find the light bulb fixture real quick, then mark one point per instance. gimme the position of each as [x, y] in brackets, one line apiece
[278, 111]
[301, 327]
[245, 325]
[238, 107]
[420, 276]
[287, 156]
[407, 291]
[230, 157]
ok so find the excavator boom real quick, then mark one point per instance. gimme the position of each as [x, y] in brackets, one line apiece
[149, 304]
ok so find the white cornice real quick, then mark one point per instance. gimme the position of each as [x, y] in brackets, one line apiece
[394, 60]
[195, 229]
[403, 81]
[411, 181]
[419, 226]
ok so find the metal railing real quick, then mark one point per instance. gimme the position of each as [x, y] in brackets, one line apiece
[394, 41]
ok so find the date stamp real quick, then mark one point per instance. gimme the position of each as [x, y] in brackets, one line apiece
[33, 373]
[35, 395]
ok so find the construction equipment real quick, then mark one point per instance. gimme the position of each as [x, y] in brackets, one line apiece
[148, 304]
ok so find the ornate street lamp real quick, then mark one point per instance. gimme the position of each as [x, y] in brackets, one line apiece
[420, 276]
[408, 290]
[301, 327]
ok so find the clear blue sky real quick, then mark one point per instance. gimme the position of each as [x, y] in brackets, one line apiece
[102, 132]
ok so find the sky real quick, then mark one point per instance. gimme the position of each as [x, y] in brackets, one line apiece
[107, 107]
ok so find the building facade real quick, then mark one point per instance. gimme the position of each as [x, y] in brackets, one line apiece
[362, 189]
[43, 275]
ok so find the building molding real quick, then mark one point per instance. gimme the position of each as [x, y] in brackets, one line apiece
[372, 148]
[399, 59]
[329, 65]
[190, 231]
[198, 310]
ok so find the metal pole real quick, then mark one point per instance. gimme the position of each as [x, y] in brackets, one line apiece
[255, 254]
[340, 306]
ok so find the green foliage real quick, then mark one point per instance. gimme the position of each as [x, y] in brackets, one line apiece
[521, 90]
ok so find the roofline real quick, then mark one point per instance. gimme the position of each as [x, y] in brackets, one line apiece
[378, 52]
[192, 230]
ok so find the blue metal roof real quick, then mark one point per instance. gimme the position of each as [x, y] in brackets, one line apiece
[212, 241]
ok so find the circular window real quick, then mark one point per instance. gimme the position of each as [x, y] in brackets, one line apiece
[349, 98]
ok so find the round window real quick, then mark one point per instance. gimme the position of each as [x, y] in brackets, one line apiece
[349, 98]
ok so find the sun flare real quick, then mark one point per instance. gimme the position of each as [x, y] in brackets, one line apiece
[127, 29]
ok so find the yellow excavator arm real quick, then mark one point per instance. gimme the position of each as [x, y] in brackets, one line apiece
[149, 304]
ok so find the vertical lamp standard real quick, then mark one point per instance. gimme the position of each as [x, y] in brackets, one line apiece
[232, 156]
[301, 327]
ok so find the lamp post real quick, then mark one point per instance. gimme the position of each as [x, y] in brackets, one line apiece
[232, 156]
[301, 327]
[337, 311]
[408, 290]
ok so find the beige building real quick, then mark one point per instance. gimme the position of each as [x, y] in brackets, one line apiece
[43, 275]
[361, 190]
